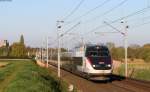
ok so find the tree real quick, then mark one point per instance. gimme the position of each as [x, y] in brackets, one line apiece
[22, 39]
[18, 50]
[117, 53]
[4, 50]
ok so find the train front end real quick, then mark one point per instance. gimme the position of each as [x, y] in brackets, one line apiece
[98, 62]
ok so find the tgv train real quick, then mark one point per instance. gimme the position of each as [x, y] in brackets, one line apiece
[91, 61]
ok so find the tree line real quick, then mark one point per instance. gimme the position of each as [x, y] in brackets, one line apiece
[19, 50]
[16, 50]
[134, 52]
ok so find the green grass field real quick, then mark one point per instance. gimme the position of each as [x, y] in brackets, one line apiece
[26, 76]
[137, 71]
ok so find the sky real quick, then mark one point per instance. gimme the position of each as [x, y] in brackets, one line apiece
[36, 19]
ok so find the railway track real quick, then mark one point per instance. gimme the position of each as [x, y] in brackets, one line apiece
[117, 84]
[130, 87]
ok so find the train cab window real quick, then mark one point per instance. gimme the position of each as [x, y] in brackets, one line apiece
[97, 52]
[92, 53]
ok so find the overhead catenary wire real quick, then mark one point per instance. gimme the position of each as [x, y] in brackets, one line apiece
[132, 14]
[91, 10]
[70, 29]
[114, 28]
[66, 32]
[74, 10]
[107, 12]
[119, 19]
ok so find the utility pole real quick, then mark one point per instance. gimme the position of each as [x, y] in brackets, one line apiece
[47, 52]
[126, 54]
[125, 43]
[125, 48]
[58, 37]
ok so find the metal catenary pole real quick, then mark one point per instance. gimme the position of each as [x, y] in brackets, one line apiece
[125, 43]
[58, 37]
[126, 48]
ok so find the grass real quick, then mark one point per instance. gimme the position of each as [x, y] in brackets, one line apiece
[26, 76]
[135, 70]
[6, 71]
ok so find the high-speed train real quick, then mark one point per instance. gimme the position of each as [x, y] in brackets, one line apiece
[92, 61]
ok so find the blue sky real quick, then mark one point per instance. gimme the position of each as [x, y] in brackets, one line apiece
[36, 19]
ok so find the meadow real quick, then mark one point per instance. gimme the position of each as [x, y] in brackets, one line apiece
[26, 76]
[137, 70]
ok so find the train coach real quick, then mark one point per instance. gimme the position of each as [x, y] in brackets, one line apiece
[91, 61]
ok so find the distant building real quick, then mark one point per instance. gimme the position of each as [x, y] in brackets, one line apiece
[4, 43]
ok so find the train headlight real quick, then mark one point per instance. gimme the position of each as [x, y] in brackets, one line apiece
[94, 66]
[109, 65]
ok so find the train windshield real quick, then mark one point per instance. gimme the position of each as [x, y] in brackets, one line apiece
[96, 51]
[99, 57]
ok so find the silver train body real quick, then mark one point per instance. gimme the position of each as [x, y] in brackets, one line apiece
[92, 61]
